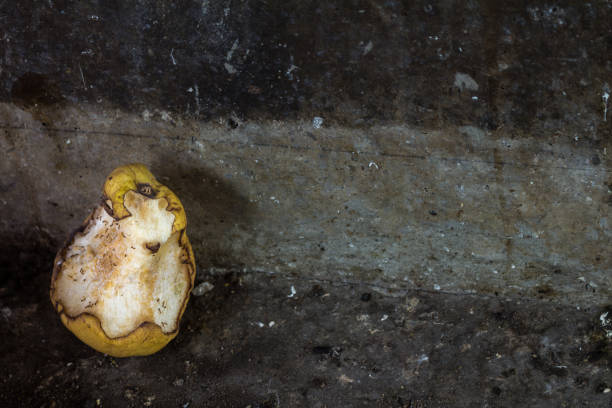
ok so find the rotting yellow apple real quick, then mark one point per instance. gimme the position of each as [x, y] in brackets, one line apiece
[122, 282]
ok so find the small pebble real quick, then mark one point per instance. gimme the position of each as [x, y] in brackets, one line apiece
[202, 288]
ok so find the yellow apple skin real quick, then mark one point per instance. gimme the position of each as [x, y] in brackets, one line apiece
[133, 181]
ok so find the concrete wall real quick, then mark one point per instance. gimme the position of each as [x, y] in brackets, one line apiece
[464, 146]
[455, 209]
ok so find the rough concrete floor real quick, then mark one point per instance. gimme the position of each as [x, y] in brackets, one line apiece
[260, 340]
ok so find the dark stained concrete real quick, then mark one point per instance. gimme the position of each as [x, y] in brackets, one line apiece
[536, 67]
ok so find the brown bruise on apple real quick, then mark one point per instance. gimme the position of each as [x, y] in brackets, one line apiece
[125, 272]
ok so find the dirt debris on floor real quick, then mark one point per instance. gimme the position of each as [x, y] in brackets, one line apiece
[267, 340]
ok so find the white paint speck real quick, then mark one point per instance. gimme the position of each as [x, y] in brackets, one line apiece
[290, 70]
[605, 323]
[384, 317]
[368, 47]
[230, 68]
[68, 141]
[271, 324]
[474, 98]
[317, 122]
[436, 287]
[345, 380]
[146, 115]
[202, 288]
[548, 389]
[165, 116]
[464, 81]
[373, 164]
[172, 57]
[7, 312]
[423, 358]
[513, 266]
[260, 324]
[293, 292]
[230, 53]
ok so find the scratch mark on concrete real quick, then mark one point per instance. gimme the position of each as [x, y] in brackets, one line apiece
[197, 98]
[82, 77]
[230, 68]
[230, 53]
[400, 156]
[604, 97]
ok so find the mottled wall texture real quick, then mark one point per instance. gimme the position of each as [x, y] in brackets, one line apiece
[454, 146]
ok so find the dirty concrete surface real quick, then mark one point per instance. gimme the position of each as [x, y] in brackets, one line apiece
[265, 341]
[398, 204]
